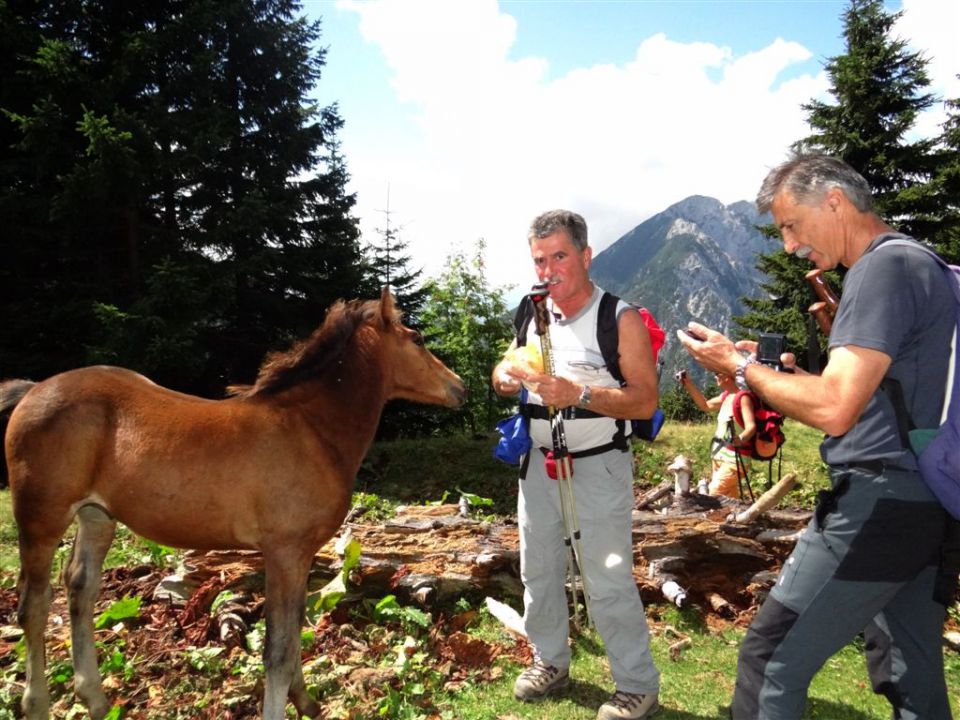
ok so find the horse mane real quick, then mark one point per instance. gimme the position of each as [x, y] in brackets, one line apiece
[307, 358]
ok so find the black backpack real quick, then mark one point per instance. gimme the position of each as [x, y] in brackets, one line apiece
[608, 338]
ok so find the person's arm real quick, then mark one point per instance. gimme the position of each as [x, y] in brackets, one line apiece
[749, 421]
[831, 402]
[636, 399]
[699, 399]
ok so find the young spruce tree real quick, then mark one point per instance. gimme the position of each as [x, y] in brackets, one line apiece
[878, 87]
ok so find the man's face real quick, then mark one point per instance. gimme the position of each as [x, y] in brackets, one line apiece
[559, 264]
[809, 231]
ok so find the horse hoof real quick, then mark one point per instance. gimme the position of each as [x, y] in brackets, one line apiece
[35, 708]
[310, 709]
[98, 709]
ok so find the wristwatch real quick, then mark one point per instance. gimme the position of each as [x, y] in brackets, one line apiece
[739, 377]
[585, 396]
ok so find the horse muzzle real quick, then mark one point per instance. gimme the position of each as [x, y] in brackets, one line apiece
[456, 394]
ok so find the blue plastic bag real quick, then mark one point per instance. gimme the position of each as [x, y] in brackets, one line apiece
[514, 440]
[648, 429]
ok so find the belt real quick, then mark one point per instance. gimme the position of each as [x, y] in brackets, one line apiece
[590, 451]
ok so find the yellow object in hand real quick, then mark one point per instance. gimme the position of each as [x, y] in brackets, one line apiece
[526, 357]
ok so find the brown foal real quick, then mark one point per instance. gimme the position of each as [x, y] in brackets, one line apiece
[269, 469]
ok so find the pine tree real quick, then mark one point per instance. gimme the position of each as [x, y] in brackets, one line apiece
[879, 90]
[879, 87]
[947, 184]
[173, 190]
[389, 265]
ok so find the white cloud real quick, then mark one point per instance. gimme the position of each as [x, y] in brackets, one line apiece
[499, 142]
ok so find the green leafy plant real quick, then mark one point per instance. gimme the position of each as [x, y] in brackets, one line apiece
[388, 608]
[330, 595]
[114, 661]
[206, 660]
[375, 508]
[125, 609]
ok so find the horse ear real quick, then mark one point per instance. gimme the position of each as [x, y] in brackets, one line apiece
[388, 308]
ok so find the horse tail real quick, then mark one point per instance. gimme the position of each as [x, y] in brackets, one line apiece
[11, 393]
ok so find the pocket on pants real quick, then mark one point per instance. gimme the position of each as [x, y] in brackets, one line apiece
[896, 542]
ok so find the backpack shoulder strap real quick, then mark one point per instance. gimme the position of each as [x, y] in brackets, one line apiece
[608, 334]
[737, 399]
[889, 385]
[894, 240]
[522, 318]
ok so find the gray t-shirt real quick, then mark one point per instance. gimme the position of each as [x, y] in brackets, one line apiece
[895, 300]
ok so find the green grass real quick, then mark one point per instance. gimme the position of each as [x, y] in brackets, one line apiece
[696, 686]
[9, 562]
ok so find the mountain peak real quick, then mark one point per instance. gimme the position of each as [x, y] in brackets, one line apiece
[693, 261]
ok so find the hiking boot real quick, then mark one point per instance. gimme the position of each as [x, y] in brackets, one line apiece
[538, 680]
[628, 706]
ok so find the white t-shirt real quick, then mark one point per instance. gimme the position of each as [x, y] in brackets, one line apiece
[577, 357]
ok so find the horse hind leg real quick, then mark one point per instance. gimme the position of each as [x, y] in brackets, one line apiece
[82, 578]
[34, 590]
[286, 586]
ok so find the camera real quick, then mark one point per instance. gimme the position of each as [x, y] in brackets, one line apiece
[769, 349]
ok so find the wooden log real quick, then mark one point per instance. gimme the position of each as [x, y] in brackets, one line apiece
[668, 583]
[655, 494]
[509, 617]
[779, 536]
[767, 501]
[679, 555]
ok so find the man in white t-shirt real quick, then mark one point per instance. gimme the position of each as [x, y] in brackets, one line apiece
[592, 401]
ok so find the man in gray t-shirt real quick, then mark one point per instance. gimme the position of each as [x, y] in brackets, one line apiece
[869, 561]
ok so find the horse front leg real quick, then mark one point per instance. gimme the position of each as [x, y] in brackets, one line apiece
[286, 587]
[82, 578]
[32, 609]
[298, 694]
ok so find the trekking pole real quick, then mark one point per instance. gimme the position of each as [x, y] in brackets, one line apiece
[563, 464]
[742, 475]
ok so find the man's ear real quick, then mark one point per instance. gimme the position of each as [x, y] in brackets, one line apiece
[835, 198]
[587, 256]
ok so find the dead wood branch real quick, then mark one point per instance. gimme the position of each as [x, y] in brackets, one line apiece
[770, 499]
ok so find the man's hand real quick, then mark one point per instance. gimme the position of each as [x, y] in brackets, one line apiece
[555, 391]
[710, 348]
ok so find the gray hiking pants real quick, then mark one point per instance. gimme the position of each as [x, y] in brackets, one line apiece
[603, 491]
[868, 561]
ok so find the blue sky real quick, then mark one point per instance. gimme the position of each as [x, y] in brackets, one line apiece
[466, 118]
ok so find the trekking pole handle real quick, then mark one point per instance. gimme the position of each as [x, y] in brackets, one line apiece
[541, 321]
[825, 308]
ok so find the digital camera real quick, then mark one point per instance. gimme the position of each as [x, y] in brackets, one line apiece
[769, 349]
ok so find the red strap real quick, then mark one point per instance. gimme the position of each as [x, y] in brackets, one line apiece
[657, 335]
[737, 412]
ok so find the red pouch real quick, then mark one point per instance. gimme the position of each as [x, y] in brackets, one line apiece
[550, 463]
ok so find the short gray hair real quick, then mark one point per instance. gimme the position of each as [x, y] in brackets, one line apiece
[809, 177]
[546, 224]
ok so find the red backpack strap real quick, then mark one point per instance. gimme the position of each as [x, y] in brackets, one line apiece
[738, 398]
[657, 334]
